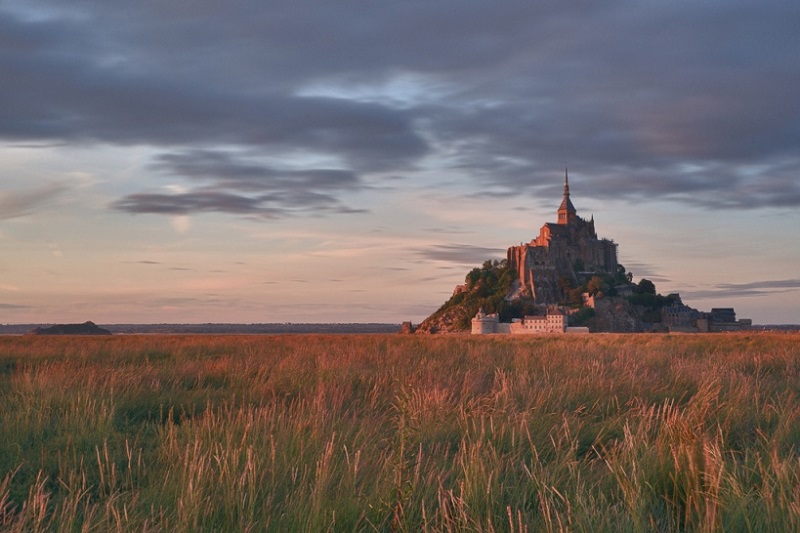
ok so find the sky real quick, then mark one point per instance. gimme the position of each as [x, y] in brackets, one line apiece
[351, 161]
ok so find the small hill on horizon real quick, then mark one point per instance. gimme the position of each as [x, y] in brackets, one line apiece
[87, 328]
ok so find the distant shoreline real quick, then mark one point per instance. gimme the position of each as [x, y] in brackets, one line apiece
[221, 328]
[273, 328]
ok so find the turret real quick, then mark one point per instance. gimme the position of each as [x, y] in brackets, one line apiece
[566, 211]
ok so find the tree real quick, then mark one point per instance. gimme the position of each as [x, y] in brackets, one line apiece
[473, 276]
[575, 296]
[596, 285]
[646, 287]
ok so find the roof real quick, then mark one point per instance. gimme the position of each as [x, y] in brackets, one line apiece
[566, 204]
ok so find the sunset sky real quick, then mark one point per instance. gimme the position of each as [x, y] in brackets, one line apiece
[320, 161]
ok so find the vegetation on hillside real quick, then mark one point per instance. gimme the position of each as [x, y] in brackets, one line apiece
[487, 287]
[494, 287]
[597, 284]
[400, 433]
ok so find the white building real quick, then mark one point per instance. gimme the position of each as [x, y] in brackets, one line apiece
[484, 324]
[552, 322]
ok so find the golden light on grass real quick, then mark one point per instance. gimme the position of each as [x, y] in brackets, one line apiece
[400, 433]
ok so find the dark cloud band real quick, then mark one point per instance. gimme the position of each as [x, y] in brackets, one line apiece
[651, 101]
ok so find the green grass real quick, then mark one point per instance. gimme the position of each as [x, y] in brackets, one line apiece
[400, 433]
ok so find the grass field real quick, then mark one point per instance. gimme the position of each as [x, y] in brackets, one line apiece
[400, 433]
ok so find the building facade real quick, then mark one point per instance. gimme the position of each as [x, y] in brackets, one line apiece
[563, 249]
[553, 322]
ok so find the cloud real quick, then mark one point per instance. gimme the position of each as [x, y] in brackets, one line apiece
[755, 288]
[646, 101]
[15, 204]
[644, 270]
[58, 88]
[232, 183]
[450, 230]
[460, 253]
[13, 306]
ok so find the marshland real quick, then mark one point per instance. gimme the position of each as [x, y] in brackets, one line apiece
[400, 433]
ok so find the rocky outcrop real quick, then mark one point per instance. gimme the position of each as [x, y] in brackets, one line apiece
[450, 320]
[616, 315]
[87, 328]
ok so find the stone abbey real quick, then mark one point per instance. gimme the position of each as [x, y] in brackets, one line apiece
[568, 248]
[555, 270]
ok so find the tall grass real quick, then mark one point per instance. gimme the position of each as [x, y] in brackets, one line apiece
[400, 433]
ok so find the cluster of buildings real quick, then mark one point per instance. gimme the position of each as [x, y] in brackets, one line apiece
[571, 249]
[682, 318]
[555, 321]
[564, 249]
[676, 318]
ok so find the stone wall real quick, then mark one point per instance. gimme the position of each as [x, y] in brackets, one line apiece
[555, 254]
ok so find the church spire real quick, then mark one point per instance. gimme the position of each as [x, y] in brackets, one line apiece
[566, 211]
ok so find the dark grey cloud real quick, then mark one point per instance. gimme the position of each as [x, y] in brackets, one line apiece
[755, 288]
[201, 201]
[224, 182]
[460, 253]
[58, 85]
[679, 101]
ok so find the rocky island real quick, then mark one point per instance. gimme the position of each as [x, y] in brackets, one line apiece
[87, 328]
[567, 271]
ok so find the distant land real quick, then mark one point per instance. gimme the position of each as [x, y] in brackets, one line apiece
[274, 328]
[221, 328]
[87, 328]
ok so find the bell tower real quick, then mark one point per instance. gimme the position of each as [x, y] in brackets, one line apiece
[566, 211]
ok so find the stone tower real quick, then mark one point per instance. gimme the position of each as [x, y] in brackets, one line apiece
[566, 211]
[568, 249]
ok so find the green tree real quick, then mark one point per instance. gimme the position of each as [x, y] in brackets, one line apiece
[473, 276]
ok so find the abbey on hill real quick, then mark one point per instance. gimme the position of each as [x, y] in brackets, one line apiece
[567, 280]
[567, 248]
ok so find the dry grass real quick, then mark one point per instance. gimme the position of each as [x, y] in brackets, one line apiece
[400, 433]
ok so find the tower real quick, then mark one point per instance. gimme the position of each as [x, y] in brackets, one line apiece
[566, 211]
